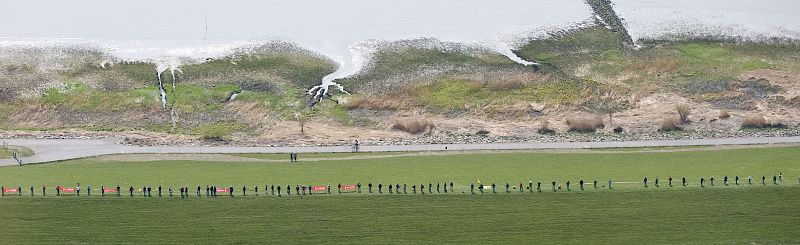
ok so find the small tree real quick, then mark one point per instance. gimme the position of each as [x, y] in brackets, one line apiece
[683, 112]
[607, 103]
[301, 118]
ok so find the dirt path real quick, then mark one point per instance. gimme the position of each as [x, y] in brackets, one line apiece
[49, 150]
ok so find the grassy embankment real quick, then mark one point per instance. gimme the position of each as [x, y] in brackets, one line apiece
[629, 213]
[575, 64]
[452, 81]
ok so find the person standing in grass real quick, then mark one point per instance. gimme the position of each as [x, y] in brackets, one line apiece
[683, 181]
[737, 179]
[380, 188]
[279, 190]
[763, 180]
[131, 190]
[244, 190]
[554, 186]
[670, 181]
[711, 180]
[256, 190]
[774, 180]
[472, 188]
[451, 186]
[581, 184]
[609, 184]
[725, 180]
[430, 187]
[656, 181]
[437, 187]
[645, 181]
[272, 189]
[288, 190]
[749, 179]
[390, 188]
[297, 189]
[397, 188]
[370, 187]
[539, 186]
[170, 191]
[507, 188]
[230, 191]
[31, 190]
[568, 185]
[102, 190]
[530, 186]
[404, 189]
[159, 190]
[520, 187]
[78, 189]
[702, 181]
[780, 176]
[44, 190]
[58, 191]
[494, 188]
[118, 189]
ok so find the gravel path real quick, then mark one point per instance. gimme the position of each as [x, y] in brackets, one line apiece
[49, 150]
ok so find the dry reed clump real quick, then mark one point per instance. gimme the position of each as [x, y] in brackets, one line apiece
[723, 114]
[683, 112]
[757, 121]
[386, 102]
[585, 125]
[412, 125]
[670, 124]
[545, 128]
[355, 102]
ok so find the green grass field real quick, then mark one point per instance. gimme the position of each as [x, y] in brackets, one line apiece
[629, 213]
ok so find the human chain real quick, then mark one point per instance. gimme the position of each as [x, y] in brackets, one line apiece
[393, 188]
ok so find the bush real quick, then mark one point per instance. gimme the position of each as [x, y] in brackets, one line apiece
[683, 112]
[545, 128]
[723, 114]
[754, 122]
[584, 125]
[670, 124]
[412, 125]
[355, 102]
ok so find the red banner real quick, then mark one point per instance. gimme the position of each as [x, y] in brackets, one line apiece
[222, 190]
[319, 188]
[346, 188]
[7, 190]
[110, 190]
[67, 189]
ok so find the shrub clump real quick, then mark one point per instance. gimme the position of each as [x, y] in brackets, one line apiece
[723, 114]
[670, 124]
[760, 122]
[545, 128]
[412, 125]
[584, 125]
[683, 112]
[754, 122]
